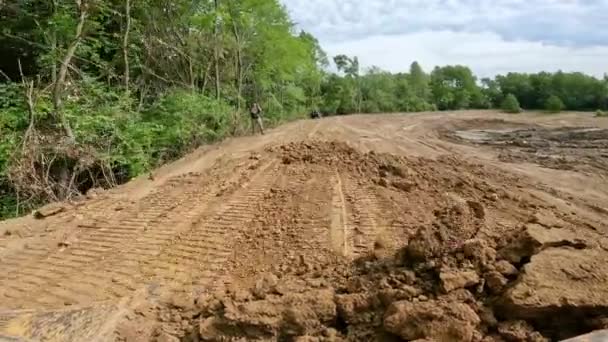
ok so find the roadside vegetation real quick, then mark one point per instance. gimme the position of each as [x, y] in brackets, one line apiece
[510, 104]
[96, 92]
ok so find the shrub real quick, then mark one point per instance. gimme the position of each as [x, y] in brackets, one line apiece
[510, 104]
[554, 104]
[184, 119]
[601, 114]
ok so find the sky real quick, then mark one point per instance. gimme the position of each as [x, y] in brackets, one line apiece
[490, 36]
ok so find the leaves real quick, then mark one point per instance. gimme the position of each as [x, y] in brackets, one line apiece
[510, 104]
[554, 104]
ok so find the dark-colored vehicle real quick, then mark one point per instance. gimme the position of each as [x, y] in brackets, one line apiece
[315, 114]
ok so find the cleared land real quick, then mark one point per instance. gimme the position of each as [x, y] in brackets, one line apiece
[464, 226]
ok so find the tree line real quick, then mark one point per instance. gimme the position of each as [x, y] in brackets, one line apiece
[455, 88]
[95, 92]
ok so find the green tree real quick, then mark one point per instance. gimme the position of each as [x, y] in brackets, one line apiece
[454, 87]
[520, 86]
[554, 104]
[350, 67]
[510, 104]
[419, 82]
[491, 91]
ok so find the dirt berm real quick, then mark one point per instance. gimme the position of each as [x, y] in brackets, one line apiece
[439, 266]
[343, 229]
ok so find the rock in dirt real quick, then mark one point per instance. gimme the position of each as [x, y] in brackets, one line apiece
[480, 251]
[49, 210]
[259, 318]
[265, 285]
[516, 331]
[423, 246]
[452, 280]
[94, 193]
[382, 182]
[560, 282]
[403, 185]
[300, 321]
[495, 281]
[433, 320]
[289, 315]
[546, 219]
[506, 268]
[352, 306]
[478, 209]
[405, 292]
[165, 337]
[536, 238]
[558, 237]
[209, 328]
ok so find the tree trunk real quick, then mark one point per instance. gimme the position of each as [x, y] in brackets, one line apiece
[239, 66]
[125, 44]
[63, 70]
[192, 77]
[205, 78]
[54, 45]
[216, 57]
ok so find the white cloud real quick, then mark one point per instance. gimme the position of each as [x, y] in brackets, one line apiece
[486, 53]
[491, 36]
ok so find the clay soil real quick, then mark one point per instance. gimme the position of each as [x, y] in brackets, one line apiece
[465, 226]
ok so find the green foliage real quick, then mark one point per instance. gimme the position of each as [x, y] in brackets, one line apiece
[510, 104]
[183, 120]
[554, 104]
[600, 113]
[179, 56]
[13, 123]
[455, 87]
[576, 90]
[375, 90]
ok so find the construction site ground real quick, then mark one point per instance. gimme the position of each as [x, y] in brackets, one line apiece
[460, 226]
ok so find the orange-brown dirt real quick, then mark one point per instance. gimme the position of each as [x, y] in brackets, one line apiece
[467, 226]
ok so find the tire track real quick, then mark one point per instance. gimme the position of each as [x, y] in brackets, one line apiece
[200, 255]
[339, 229]
[116, 248]
[362, 216]
[312, 211]
[47, 277]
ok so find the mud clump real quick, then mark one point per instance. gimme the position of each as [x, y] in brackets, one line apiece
[49, 210]
[506, 269]
[265, 285]
[480, 252]
[292, 315]
[453, 280]
[423, 246]
[434, 320]
[519, 331]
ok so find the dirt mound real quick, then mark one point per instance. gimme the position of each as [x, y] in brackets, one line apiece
[359, 246]
[384, 300]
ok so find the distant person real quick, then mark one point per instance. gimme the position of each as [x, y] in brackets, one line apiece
[256, 117]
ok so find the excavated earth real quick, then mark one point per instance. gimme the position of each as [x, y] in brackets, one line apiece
[467, 226]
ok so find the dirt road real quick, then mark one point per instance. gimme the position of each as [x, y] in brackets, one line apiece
[463, 226]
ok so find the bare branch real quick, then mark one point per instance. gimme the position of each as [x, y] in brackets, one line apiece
[28, 88]
[5, 75]
[63, 70]
[125, 43]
